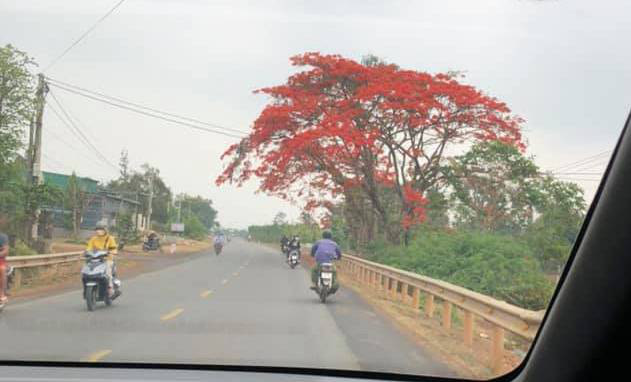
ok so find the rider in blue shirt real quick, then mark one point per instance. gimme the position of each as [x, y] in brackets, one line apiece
[325, 251]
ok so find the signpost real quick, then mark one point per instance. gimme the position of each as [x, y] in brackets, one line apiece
[177, 227]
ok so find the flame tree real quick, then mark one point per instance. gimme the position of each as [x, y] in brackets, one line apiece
[369, 134]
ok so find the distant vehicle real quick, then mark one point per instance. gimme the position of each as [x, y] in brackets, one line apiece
[218, 248]
[152, 243]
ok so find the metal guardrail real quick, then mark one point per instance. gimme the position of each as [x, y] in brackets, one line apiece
[407, 287]
[40, 260]
[23, 262]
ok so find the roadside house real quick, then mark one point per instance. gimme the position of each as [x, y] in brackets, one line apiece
[103, 206]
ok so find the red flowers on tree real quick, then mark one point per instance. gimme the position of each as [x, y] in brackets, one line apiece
[372, 134]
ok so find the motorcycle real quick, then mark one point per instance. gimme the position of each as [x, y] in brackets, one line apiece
[218, 248]
[9, 282]
[324, 286]
[294, 258]
[95, 280]
[151, 245]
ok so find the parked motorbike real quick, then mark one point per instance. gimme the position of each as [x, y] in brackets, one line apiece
[95, 280]
[151, 245]
[324, 286]
[10, 272]
[294, 258]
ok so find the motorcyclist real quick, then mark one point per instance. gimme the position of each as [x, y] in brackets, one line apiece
[284, 241]
[4, 252]
[220, 239]
[152, 241]
[294, 244]
[102, 241]
[325, 251]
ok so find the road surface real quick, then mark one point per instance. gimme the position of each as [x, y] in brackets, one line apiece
[244, 306]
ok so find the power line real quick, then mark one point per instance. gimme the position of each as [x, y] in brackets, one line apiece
[591, 166]
[583, 161]
[579, 173]
[135, 110]
[579, 180]
[72, 147]
[85, 139]
[120, 100]
[78, 137]
[55, 162]
[77, 41]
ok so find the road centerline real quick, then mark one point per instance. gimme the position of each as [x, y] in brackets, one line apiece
[206, 293]
[97, 356]
[171, 315]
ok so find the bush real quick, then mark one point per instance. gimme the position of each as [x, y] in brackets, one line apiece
[496, 265]
[21, 249]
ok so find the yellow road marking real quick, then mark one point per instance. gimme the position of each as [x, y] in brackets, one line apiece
[205, 293]
[96, 357]
[224, 282]
[172, 314]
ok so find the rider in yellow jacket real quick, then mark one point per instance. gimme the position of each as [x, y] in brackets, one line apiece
[102, 241]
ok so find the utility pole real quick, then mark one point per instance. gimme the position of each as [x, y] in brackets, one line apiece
[150, 201]
[36, 136]
[35, 144]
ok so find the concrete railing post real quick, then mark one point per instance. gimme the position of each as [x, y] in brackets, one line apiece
[468, 328]
[17, 278]
[447, 314]
[497, 352]
[429, 305]
[416, 298]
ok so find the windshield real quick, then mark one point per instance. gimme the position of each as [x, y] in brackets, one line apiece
[430, 162]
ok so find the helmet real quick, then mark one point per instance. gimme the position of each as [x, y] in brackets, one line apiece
[327, 235]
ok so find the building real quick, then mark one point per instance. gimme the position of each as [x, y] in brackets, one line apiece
[103, 206]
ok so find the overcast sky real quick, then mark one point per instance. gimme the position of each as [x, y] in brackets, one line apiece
[562, 65]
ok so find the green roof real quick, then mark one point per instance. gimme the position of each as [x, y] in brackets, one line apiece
[61, 181]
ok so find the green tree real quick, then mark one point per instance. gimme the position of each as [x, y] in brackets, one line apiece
[34, 197]
[17, 86]
[125, 230]
[554, 231]
[76, 200]
[138, 183]
[280, 219]
[194, 228]
[495, 187]
[123, 165]
[199, 207]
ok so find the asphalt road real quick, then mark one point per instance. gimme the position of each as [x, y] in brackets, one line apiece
[244, 306]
